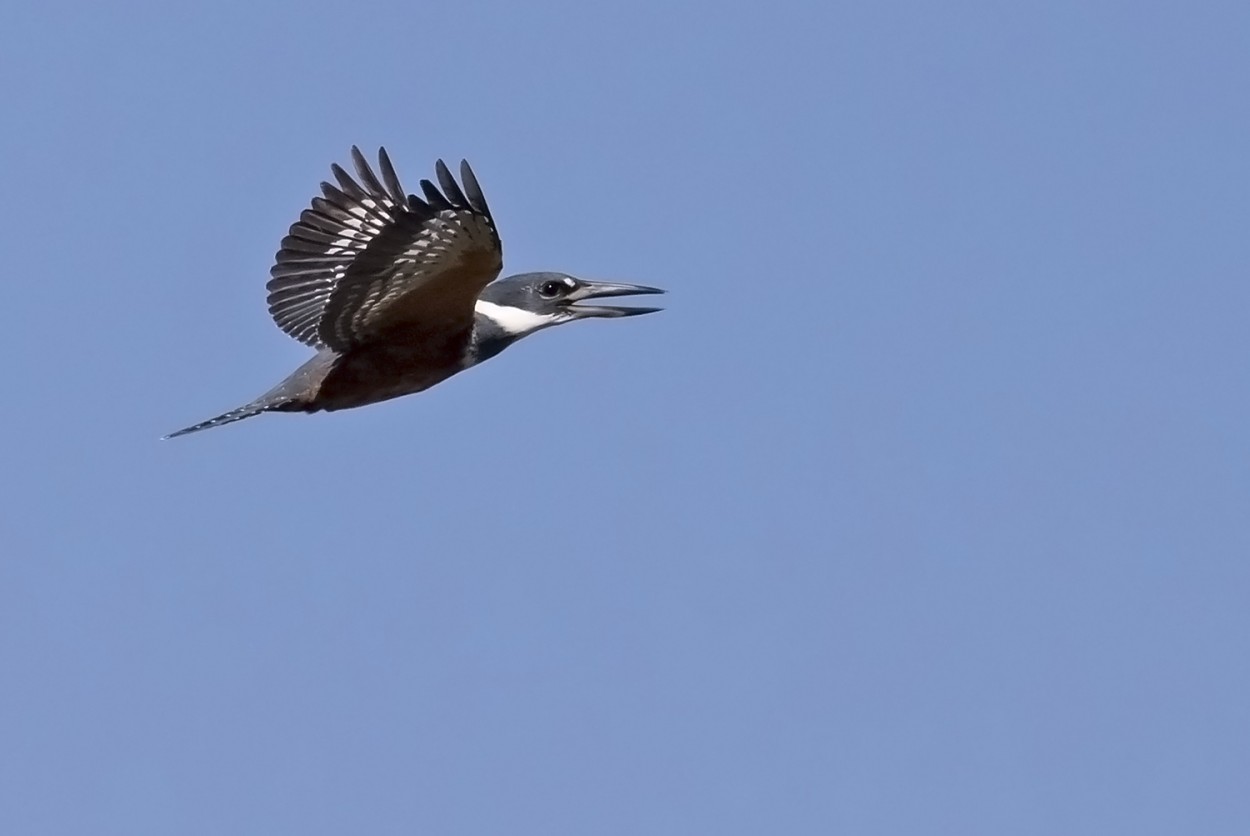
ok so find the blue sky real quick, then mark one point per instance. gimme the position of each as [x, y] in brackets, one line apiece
[922, 509]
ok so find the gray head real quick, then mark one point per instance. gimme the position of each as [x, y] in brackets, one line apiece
[529, 302]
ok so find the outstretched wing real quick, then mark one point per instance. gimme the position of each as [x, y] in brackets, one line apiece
[366, 259]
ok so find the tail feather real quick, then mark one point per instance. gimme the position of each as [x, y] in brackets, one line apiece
[246, 411]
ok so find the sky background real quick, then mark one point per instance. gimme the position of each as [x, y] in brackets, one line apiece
[923, 508]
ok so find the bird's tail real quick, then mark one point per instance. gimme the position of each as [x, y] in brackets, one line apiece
[245, 411]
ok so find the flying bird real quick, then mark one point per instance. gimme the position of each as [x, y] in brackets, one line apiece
[398, 293]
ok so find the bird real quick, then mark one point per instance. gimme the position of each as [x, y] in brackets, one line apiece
[398, 292]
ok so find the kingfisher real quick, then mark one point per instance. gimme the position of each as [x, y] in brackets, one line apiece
[397, 292]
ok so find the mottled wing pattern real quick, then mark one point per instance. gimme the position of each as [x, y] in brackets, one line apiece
[365, 259]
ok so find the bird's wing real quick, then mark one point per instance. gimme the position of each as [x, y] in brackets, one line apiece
[365, 258]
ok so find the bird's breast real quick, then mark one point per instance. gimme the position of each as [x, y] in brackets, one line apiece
[378, 372]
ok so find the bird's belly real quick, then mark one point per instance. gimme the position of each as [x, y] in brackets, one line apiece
[379, 373]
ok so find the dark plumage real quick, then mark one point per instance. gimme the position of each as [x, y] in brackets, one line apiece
[395, 291]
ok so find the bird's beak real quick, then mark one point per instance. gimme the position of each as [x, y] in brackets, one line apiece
[605, 290]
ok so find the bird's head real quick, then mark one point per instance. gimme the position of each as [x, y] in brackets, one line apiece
[529, 302]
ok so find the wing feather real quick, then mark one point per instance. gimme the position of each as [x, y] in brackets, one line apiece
[365, 173]
[435, 198]
[365, 258]
[477, 200]
[395, 191]
[450, 187]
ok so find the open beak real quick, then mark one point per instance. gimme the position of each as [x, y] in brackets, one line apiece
[605, 290]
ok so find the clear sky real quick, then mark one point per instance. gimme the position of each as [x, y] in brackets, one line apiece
[923, 508]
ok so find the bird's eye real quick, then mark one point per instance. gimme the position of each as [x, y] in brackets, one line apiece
[552, 289]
